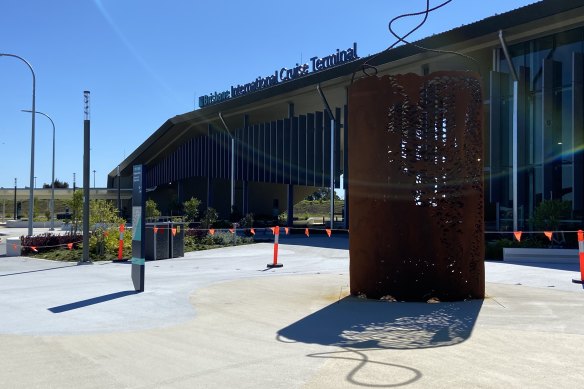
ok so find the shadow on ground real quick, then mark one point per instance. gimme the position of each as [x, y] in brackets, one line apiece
[365, 324]
[91, 301]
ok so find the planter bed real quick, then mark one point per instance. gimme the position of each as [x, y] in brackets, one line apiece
[540, 255]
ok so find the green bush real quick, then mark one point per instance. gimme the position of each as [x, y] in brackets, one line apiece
[209, 218]
[549, 213]
[191, 208]
[494, 249]
[219, 239]
[152, 209]
[104, 244]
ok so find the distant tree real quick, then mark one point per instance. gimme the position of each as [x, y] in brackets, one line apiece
[58, 184]
[322, 194]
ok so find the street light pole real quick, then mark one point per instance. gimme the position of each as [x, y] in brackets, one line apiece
[15, 207]
[53, 173]
[31, 194]
[93, 178]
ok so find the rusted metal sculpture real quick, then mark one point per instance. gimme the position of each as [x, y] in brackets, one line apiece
[415, 184]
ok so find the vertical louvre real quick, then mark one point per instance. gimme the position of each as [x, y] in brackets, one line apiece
[318, 150]
[578, 130]
[326, 150]
[302, 164]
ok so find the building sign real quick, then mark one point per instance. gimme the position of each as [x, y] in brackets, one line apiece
[316, 64]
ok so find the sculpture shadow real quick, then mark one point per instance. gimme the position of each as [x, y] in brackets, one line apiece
[366, 324]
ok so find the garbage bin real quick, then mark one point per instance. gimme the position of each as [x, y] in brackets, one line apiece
[157, 241]
[177, 240]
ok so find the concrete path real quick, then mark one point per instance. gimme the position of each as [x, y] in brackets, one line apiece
[219, 319]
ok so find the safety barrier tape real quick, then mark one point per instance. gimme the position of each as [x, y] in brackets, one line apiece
[287, 230]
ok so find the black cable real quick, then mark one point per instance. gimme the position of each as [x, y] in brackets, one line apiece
[365, 66]
[403, 39]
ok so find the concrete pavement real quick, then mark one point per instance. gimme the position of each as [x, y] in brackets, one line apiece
[219, 319]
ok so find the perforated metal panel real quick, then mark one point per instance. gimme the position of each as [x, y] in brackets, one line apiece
[416, 227]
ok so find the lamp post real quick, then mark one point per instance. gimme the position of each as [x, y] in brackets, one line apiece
[15, 207]
[93, 178]
[31, 194]
[53, 173]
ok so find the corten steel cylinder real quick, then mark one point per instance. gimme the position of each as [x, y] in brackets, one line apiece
[416, 187]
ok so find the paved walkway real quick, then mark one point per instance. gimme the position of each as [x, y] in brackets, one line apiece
[219, 319]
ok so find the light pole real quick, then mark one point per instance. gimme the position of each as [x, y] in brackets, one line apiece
[93, 178]
[15, 207]
[31, 195]
[53, 174]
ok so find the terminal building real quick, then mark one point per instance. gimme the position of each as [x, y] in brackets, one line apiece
[263, 145]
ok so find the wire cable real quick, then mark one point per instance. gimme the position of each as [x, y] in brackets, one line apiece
[367, 66]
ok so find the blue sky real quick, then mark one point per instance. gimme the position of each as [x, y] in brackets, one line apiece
[145, 61]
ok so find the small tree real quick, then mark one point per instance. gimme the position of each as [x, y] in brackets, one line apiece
[76, 207]
[36, 208]
[549, 213]
[152, 209]
[322, 194]
[209, 218]
[191, 208]
[102, 214]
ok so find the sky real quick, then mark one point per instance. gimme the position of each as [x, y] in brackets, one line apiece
[145, 61]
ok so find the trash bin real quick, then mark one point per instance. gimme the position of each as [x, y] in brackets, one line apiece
[157, 241]
[177, 239]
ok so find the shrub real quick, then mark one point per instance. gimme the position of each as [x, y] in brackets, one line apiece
[191, 208]
[152, 209]
[210, 218]
[549, 213]
[47, 242]
[104, 243]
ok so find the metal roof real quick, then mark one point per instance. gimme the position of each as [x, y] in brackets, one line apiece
[175, 128]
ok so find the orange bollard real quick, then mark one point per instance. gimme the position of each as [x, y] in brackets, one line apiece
[581, 255]
[276, 236]
[121, 245]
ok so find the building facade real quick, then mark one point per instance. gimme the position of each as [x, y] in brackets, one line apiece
[263, 145]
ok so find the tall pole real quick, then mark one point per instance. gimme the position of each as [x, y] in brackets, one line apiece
[31, 194]
[232, 162]
[86, 128]
[15, 208]
[53, 172]
[332, 172]
[119, 195]
[93, 178]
